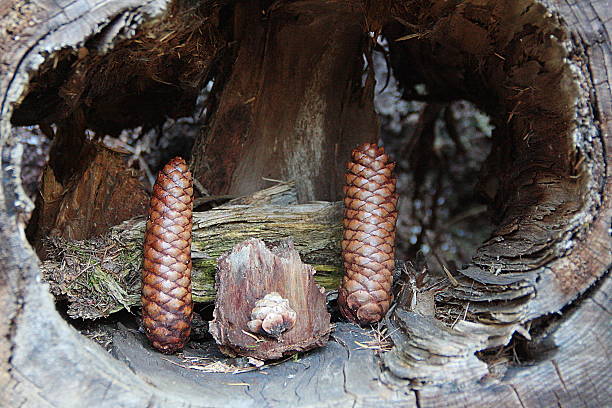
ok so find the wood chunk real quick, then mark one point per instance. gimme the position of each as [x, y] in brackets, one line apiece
[321, 116]
[247, 274]
[100, 194]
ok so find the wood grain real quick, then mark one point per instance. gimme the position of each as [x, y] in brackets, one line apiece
[250, 272]
[45, 362]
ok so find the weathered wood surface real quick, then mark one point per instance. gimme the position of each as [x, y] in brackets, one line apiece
[307, 54]
[251, 271]
[553, 209]
[339, 374]
[576, 374]
[45, 362]
[100, 194]
[102, 275]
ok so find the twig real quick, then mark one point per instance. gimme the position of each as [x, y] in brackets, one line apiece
[256, 338]
[275, 180]
[201, 189]
[145, 167]
[454, 281]
[467, 306]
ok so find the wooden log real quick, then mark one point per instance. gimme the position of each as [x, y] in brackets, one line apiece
[249, 274]
[341, 372]
[553, 237]
[102, 275]
[541, 256]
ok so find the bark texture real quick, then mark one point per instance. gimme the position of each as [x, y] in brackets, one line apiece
[250, 273]
[541, 69]
[166, 272]
[540, 257]
[96, 197]
[284, 101]
[368, 244]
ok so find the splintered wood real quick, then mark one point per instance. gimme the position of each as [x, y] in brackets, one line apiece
[87, 201]
[245, 276]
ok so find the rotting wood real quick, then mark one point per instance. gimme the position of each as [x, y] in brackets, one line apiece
[158, 69]
[45, 362]
[539, 258]
[325, 111]
[102, 275]
[95, 197]
[246, 275]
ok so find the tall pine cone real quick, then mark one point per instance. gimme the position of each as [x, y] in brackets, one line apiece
[166, 274]
[368, 244]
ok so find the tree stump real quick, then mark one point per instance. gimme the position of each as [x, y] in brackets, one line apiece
[537, 289]
[246, 275]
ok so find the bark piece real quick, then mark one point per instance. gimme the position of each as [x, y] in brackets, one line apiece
[166, 273]
[368, 246]
[250, 272]
[101, 193]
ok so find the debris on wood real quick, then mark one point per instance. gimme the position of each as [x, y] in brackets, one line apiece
[250, 273]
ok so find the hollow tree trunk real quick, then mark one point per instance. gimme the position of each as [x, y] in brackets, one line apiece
[541, 70]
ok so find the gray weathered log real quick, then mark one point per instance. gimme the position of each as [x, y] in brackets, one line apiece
[45, 362]
[301, 112]
[552, 241]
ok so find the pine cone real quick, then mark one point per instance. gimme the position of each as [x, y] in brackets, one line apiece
[166, 274]
[368, 244]
[272, 316]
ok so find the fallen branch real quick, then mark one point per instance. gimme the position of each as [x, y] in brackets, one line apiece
[102, 275]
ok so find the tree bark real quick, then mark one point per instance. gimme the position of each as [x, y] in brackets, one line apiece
[275, 280]
[542, 192]
[543, 274]
[307, 54]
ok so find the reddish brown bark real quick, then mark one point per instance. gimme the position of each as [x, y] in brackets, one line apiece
[245, 276]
